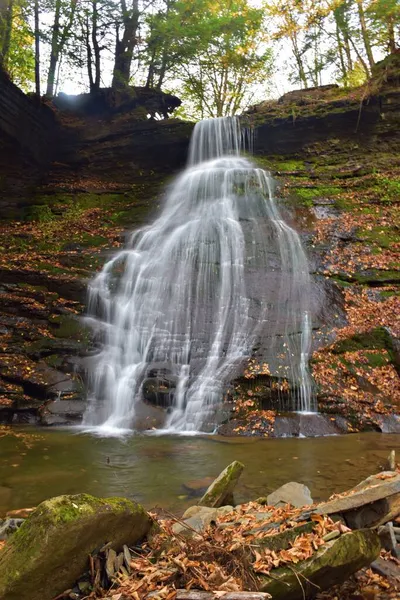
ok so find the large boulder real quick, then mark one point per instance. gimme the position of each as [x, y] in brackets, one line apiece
[332, 564]
[293, 493]
[50, 550]
[220, 491]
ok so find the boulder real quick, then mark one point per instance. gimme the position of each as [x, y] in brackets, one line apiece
[62, 412]
[197, 518]
[49, 552]
[296, 494]
[332, 564]
[221, 490]
[373, 502]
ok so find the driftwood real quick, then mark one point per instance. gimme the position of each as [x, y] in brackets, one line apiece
[198, 595]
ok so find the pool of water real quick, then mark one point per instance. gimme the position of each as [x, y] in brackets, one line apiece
[37, 464]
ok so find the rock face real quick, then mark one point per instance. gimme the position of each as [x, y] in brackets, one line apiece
[221, 490]
[334, 156]
[334, 563]
[50, 550]
[293, 493]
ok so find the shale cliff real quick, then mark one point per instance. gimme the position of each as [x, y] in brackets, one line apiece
[66, 202]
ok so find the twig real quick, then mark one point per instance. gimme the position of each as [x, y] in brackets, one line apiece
[305, 578]
[301, 585]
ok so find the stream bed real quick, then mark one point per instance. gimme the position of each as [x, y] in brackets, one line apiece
[36, 464]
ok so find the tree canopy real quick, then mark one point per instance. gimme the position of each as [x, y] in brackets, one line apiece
[219, 55]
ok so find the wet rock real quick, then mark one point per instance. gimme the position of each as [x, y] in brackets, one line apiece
[221, 490]
[159, 391]
[332, 564]
[388, 423]
[36, 378]
[197, 487]
[293, 493]
[62, 412]
[373, 502]
[148, 417]
[8, 527]
[39, 567]
[65, 285]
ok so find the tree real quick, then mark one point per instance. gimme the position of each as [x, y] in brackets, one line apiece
[385, 21]
[16, 42]
[6, 18]
[216, 49]
[365, 33]
[64, 15]
[125, 43]
[37, 48]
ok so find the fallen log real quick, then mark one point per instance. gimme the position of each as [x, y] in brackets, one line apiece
[199, 595]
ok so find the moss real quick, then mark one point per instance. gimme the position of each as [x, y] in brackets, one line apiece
[383, 236]
[54, 360]
[50, 549]
[334, 562]
[46, 266]
[65, 326]
[222, 487]
[376, 360]
[290, 165]
[87, 239]
[307, 195]
[377, 276]
[376, 339]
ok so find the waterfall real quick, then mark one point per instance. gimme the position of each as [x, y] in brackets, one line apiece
[218, 275]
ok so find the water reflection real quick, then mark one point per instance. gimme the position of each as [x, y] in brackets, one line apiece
[153, 469]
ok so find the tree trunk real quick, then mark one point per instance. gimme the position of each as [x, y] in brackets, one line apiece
[365, 34]
[96, 48]
[54, 54]
[299, 61]
[124, 47]
[89, 60]
[58, 40]
[6, 16]
[37, 49]
[341, 55]
[360, 58]
[392, 47]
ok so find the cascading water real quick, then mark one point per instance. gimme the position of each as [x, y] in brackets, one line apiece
[216, 276]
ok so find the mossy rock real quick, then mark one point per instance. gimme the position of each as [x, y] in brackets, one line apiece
[50, 550]
[335, 562]
[221, 490]
[69, 327]
[375, 339]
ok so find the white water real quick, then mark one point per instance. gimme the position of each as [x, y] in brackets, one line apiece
[192, 295]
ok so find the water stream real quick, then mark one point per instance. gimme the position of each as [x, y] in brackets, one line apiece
[216, 277]
[156, 470]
